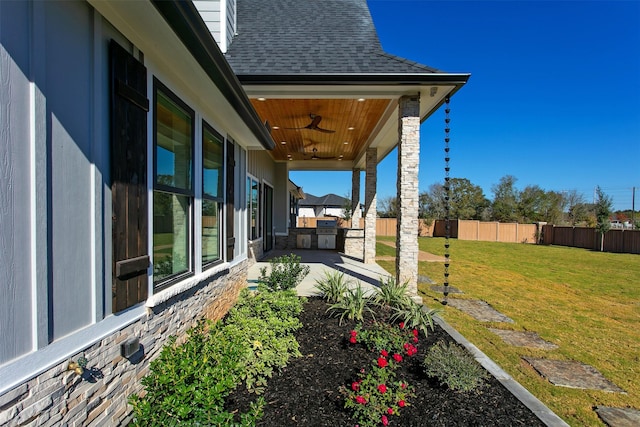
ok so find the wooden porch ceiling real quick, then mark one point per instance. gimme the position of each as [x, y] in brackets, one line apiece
[341, 128]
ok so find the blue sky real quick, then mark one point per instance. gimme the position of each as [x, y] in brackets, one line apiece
[553, 98]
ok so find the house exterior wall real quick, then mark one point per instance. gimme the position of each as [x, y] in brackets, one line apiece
[15, 226]
[58, 153]
[220, 17]
[261, 167]
[281, 200]
[231, 22]
[210, 10]
[56, 211]
[320, 211]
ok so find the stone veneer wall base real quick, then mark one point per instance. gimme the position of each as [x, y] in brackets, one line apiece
[61, 397]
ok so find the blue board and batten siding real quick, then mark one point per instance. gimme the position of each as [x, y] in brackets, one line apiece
[55, 189]
[15, 223]
[48, 241]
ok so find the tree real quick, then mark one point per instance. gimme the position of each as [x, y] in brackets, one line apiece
[431, 203]
[536, 204]
[551, 208]
[347, 208]
[505, 200]
[575, 206]
[467, 200]
[603, 213]
[530, 202]
[388, 207]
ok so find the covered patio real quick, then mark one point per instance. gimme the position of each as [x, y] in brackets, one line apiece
[334, 100]
[323, 262]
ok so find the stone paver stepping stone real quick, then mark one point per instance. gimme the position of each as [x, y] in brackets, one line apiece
[619, 417]
[523, 339]
[425, 279]
[566, 373]
[479, 310]
[451, 290]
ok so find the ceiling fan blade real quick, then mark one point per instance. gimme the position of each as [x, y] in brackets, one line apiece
[316, 157]
[315, 121]
[324, 130]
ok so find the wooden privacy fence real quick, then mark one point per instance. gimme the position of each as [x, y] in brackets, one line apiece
[615, 240]
[384, 226]
[510, 232]
[460, 229]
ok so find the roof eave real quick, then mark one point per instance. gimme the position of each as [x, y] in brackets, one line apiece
[458, 79]
[187, 24]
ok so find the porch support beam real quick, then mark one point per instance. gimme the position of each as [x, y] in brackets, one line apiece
[408, 161]
[355, 199]
[370, 206]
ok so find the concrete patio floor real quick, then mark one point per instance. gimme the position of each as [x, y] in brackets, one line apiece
[320, 262]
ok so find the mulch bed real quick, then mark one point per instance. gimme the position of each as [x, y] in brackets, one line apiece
[306, 392]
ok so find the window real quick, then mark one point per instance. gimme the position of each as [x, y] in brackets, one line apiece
[212, 178]
[173, 187]
[252, 207]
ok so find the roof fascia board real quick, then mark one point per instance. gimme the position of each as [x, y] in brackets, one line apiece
[187, 24]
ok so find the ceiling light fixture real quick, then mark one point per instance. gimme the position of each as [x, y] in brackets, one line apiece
[283, 142]
[360, 99]
[275, 127]
[349, 128]
[346, 142]
[262, 99]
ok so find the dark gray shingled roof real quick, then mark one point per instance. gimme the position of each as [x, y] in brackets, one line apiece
[279, 37]
[326, 200]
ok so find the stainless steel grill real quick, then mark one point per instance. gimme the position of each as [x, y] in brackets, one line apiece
[327, 229]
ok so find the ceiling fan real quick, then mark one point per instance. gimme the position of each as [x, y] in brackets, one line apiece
[315, 121]
[316, 157]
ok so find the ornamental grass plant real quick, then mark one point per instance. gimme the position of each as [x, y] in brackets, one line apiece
[353, 305]
[333, 286]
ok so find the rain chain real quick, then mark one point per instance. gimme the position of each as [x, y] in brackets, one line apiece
[447, 199]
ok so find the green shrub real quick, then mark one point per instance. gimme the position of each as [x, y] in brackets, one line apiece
[383, 336]
[265, 321]
[286, 273]
[353, 305]
[333, 286]
[188, 383]
[454, 367]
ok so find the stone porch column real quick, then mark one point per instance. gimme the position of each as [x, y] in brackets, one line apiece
[370, 206]
[355, 199]
[408, 160]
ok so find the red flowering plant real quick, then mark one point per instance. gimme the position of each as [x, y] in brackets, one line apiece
[376, 395]
[379, 336]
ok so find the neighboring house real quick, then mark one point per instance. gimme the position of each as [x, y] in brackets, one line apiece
[138, 176]
[327, 205]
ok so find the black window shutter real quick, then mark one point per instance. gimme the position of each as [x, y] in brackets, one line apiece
[129, 107]
[231, 163]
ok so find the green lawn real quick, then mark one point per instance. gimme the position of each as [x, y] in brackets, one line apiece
[588, 303]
